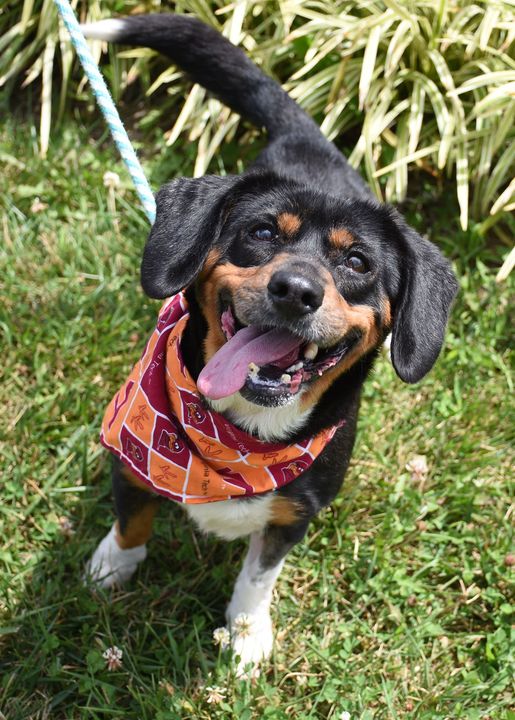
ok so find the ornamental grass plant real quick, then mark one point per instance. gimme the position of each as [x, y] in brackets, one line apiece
[400, 85]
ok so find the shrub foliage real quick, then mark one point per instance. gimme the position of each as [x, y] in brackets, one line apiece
[428, 85]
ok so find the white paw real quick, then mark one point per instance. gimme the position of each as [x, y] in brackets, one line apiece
[110, 565]
[252, 640]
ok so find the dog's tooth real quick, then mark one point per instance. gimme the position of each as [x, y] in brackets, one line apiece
[286, 378]
[311, 351]
[294, 368]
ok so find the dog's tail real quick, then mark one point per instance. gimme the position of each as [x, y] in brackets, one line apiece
[212, 61]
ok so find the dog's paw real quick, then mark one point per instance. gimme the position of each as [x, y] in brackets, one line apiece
[111, 565]
[252, 640]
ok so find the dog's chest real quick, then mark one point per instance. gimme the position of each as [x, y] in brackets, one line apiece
[230, 519]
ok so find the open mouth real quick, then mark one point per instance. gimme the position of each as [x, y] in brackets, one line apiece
[268, 366]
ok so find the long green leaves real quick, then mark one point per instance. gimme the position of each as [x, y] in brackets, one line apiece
[430, 85]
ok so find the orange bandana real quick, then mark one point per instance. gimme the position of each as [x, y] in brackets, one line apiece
[159, 426]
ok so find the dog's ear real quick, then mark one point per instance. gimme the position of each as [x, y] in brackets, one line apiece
[428, 287]
[189, 218]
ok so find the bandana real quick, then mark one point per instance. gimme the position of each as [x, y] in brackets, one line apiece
[160, 428]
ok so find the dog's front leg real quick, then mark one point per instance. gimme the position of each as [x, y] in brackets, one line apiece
[124, 547]
[248, 613]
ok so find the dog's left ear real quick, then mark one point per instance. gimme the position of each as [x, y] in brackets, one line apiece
[189, 219]
[428, 287]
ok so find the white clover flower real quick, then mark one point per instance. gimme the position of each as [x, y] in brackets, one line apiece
[242, 625]
[66, 526]
[111, 179]
[345, 715]
[214, 694]
[418, 468]
[222, 637]
[38, 206]
[113, 655]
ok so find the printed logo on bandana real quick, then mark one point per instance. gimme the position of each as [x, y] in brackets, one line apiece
[167, 475]
[170, 441]
[296, 468]
[195, 415]
[287, 471]
[140, 417]
[208, 447]
[135, 450]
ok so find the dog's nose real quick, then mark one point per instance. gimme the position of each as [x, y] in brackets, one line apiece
[295, 294]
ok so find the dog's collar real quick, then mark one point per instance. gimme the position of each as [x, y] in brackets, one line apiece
[159, 426]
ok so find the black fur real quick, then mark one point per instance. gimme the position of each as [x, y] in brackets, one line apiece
[299, 172]
[188, 223]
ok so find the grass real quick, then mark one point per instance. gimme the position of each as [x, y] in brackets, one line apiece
[397, 603]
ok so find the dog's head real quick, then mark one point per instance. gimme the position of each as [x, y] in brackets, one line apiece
[296, 286]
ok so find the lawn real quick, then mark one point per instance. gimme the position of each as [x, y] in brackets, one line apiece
[397, 604]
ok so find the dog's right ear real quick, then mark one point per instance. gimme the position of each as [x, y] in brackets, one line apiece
[189, 219]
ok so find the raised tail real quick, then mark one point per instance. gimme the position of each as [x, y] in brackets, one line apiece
[212, 61]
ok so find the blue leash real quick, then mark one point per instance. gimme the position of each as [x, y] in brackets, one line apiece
[108, 108]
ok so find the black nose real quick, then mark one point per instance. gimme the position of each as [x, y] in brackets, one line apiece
[295, 294]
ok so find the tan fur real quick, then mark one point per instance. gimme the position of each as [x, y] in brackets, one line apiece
[288, 223]
[245, 284]
[284, 511]
[323, 383]
[341, 238]
[387, 313]
[139, 527]
[211, 260]
[215, 337]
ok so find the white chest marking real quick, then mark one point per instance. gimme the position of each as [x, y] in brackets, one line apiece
[266, 423]
[231, 519]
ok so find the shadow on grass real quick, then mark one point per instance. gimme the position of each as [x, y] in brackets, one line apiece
[52, 664]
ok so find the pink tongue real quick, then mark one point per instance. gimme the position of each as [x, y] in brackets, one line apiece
[227, 370]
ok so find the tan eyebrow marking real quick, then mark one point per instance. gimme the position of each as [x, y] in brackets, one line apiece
[288, 223]
[341, 238]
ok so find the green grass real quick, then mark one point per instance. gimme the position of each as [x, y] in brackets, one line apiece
[397, 603]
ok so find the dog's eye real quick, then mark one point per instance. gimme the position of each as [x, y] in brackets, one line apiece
[264, 234]
[356, 263]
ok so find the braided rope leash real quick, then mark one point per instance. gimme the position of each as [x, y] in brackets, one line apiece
[108, 108]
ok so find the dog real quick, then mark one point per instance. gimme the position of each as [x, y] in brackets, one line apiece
[284, 283]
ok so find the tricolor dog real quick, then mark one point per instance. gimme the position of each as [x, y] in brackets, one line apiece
[281, 284]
